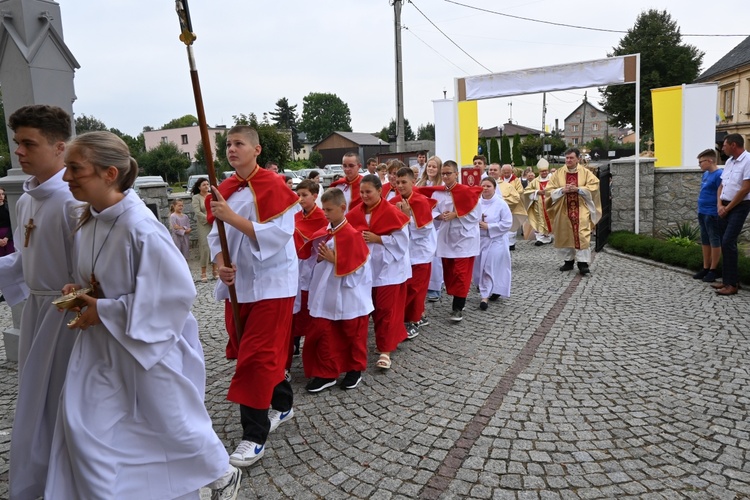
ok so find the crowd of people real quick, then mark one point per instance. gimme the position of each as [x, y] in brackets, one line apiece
[116, 410]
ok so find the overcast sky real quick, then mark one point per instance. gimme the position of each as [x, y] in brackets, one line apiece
[134, 70]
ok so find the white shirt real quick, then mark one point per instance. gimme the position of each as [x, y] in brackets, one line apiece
[458, 237]
[267, 267]
[735, 172]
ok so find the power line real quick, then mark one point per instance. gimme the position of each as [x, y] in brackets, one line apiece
[435, 51]
[568, 25]
[449, 38]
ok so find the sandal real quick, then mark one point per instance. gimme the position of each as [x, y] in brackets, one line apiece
[204, 279]
[384, 361]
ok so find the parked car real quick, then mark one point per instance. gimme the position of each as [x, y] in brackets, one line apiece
[296, 179]
[192, 180]
[149, 181]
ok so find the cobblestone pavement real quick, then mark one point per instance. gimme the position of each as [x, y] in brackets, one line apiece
[630, 383]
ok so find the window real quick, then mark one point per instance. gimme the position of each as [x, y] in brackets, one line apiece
[575, 141]
[595, 126]
[164, 140]
[187, 155]
[728, 102]
[575, 128]
[184, 139]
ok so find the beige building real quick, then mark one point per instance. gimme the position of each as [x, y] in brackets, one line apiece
[186, 138]
[732, 72]
[586, 123]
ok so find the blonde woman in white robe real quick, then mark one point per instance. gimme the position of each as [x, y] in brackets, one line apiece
[132, 422]
[492, 268]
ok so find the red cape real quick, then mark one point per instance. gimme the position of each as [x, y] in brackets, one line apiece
[421, 207]
[305, 226]
[384, 218]
[387, 188]
[354, 186]
[465, 198]
[351, 249]
[271, 195]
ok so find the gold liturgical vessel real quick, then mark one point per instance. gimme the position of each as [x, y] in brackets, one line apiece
[71, 301]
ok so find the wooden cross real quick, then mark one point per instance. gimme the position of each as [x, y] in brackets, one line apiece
[27, 235]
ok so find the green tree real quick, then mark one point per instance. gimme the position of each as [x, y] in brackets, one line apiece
[386, 133]
[316, 158]
[665, 61]
[137, 144]
[531, 146]
[517, 157]
[166, 160]
[322, 114]
[426, 132]
[274, 144]
[285, 116]
[505, 152]
[183, 121]
[85, 124]
[494, 151]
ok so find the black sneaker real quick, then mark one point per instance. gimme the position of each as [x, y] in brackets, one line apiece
[512, 248]
[701, 274]
[318, 384]
[583, 268]
[710, 276]
[538, 243]
[423, 322]
[494, 297]
[457, 316]
[351, 380]
[412, 331]
[568, 266]
[483, 305]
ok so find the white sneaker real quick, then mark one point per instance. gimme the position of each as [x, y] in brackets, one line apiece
[247, 453]
[230, 485]
[276, 417]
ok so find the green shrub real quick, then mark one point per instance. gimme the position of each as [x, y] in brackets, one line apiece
[682, 241]
[675, 251]
[683, 230]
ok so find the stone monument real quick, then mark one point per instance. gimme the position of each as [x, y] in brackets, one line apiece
[36, 67]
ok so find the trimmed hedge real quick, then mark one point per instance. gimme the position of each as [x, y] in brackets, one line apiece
[667, 252]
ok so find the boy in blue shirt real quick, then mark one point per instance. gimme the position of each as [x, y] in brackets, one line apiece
[708, 216]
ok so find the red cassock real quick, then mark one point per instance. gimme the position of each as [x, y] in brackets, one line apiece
[388, 299]
[417, 285]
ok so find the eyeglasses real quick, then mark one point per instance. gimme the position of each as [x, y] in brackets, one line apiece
[447, 173]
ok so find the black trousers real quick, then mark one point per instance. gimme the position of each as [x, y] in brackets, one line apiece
[255, 424]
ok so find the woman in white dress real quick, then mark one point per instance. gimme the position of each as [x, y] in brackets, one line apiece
[132, 421]
[492, 271]
[431, 177]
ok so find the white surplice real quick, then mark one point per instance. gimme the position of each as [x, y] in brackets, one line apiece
[339, 297]
[492, 269]
[390, 260]
[458, 237]
[269, 263]
[132, 420]
[43, 267]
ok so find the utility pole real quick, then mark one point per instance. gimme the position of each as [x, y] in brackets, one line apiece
[400, 142]
[510, 106]
[583, 121]
[544, 116]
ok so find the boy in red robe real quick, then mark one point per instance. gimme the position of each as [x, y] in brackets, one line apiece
[422, 245]
[340, 301]
[307, 222]
[258, 212]
[349, 184]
